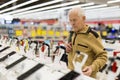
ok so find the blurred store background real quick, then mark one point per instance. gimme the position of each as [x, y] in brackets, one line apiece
[47, 21]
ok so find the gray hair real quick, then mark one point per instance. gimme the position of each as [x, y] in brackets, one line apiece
[79, 10]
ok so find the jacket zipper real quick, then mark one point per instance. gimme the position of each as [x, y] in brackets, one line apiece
[74, 38]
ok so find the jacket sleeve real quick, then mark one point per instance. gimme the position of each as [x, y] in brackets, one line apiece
[100, 57]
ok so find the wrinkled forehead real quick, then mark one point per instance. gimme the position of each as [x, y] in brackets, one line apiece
[73, 12]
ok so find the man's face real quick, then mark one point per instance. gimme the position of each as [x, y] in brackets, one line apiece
[76, 21]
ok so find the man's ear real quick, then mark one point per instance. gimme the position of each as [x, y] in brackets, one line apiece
[84, 18]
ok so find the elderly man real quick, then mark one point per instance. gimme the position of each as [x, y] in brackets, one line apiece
[85, 40]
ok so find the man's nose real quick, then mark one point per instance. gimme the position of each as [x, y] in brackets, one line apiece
[73, 24]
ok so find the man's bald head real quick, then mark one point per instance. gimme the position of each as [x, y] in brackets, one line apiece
[77, 10]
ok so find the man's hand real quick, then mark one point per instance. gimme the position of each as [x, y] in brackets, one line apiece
[87, 70]
[68, 47]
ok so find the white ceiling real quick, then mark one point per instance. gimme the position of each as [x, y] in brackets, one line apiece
[39, 11]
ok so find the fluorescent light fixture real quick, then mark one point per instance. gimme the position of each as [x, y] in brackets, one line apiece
[55, 6]
[42, 15]
[97, 6]
[38, 14]
[82, 5]
[14, 7]
[32, 7]
[90, 14]
[7, 3]
[105, 8]
[113, 1]
[50, 7]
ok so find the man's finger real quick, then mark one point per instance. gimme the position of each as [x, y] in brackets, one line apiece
[85, 69]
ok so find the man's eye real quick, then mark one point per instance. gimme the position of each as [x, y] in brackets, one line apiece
[74, 20]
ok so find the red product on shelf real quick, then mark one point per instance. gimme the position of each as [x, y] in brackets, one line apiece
[114, 66]
[43, 48]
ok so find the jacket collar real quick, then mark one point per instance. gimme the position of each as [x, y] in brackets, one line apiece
[85, 30]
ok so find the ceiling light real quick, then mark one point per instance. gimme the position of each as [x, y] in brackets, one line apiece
[105, 9]
[82, 5]
[14, 7]
[61, 5]
[98, 6]
[36, 6]
[50, 7]
[7, 3]
[113, 1]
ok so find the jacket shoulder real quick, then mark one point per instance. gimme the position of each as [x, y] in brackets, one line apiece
[93, 32]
